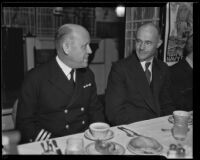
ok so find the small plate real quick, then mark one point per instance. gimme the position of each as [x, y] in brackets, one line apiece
[171, 120]
[90, 149]
[144, 151]
[90, 136]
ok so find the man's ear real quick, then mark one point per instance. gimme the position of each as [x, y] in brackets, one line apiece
[159, 43]
[65, 47]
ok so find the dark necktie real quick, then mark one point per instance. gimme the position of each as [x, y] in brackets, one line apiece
[72, 78]
[147, 71]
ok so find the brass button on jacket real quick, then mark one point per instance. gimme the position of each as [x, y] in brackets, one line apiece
[67, 126]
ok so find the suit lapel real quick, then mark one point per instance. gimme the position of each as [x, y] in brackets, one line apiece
[157, 78]
[78, 86]
[58, 78]
[142, 83]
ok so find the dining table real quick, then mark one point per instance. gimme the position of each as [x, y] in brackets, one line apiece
[151, 128]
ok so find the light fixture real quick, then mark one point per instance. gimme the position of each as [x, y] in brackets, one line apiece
[120, 11]
[58, 11]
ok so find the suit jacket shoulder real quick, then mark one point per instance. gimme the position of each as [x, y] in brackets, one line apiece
[126, 63]
[182, 85]
[181, 66]
[42, 71]
[162, 65]
[87, 72]
[46, 70]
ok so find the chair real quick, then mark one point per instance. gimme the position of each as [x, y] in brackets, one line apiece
[14, 111]
[6, 119]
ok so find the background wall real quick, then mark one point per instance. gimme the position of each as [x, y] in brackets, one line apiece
[38, 26]
[136, 16]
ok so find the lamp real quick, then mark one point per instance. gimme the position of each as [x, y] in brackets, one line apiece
[120, 11]
[58, 11]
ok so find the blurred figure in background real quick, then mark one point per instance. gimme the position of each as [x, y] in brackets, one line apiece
[182, 78]
[59, 98]
[10, 140]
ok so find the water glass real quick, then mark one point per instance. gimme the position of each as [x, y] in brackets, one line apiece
[180, 128]
[74, 145]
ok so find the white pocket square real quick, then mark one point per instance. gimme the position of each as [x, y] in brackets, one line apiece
[87, 85]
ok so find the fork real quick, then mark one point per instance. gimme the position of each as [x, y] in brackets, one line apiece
[50, 148]
[42, 144]
[58, 151]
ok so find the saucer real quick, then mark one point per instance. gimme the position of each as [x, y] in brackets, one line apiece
[107, 137]
[90, 149]
[144, 150]
[171, 120]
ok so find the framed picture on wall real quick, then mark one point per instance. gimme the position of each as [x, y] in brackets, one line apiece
[179, 25]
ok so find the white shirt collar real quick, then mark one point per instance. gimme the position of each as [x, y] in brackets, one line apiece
[190, 62]
[150, 66]
[66, 69]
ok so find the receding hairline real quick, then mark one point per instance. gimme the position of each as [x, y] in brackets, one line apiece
[68, 29]
[71, 26]
[144, 26]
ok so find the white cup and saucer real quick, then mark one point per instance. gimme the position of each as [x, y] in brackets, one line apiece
[99, 131]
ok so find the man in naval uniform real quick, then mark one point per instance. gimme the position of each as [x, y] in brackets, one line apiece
[59, 98]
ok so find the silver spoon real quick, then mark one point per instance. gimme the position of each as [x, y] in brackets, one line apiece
[166, 129]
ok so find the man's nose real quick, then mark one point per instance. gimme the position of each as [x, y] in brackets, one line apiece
[89, 50]
[142, 45]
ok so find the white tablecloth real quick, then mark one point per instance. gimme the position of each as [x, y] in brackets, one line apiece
[150, 128]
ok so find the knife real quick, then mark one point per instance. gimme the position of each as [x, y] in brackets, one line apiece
[123, 128]
[58, 151]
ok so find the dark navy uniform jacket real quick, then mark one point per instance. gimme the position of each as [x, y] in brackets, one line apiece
[48, 102]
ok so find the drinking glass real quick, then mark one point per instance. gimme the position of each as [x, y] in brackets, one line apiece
[74, 145]
[180, 128]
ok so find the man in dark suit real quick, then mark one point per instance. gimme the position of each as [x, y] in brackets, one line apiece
[182, 79]
[138, 85]
[59, 98]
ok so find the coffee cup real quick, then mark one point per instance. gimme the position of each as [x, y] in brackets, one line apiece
[99, 130]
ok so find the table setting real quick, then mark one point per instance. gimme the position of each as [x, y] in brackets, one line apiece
[159, 136]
